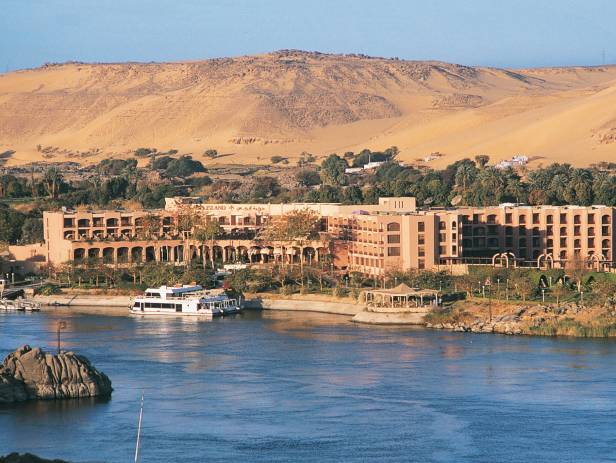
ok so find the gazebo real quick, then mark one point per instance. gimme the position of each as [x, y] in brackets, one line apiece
[400, 296]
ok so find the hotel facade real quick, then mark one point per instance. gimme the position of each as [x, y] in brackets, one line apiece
[371, 239]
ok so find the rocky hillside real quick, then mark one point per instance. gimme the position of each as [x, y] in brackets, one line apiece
[290, 101]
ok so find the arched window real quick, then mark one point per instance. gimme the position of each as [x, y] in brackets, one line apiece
[605, 220]
[393, 226]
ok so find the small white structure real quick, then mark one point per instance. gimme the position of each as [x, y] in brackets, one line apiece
[373, 165]
[516, 161]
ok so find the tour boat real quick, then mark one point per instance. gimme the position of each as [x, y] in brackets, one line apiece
[184, 300]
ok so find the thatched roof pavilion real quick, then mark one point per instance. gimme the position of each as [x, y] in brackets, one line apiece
[400, 296]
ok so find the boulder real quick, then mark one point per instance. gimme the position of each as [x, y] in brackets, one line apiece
[30, 373]
[26, 458]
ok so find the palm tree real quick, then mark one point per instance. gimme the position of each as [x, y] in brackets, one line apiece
[465, 175]
[207, 230]
[52, 180]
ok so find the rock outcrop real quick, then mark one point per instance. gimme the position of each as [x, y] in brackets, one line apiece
[30, 373]
[26, 458]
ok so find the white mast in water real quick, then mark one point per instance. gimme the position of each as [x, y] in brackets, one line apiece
[139, 431]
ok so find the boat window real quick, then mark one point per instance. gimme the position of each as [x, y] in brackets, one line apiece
[178, 307]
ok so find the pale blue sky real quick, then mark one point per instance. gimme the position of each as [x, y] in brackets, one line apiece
[513, 33]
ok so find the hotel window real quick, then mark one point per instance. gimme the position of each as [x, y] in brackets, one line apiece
[393, 252]
[442, 225]
[442, 250]
[591, 242]
[453, 249]
[563, 231]
[591, 231]
[576, 230]
[605, 230]
[563, 242]
[535, 218]
[393, 239]
[393, 226]
[420, 239]
[576, 219]
[591, 218]
[508, 218]
[550, 243]
[492, 218]
[69, 223]
[605, 220]
[509, 231]
[563, 218]
[454, 237]
[421, 252]
[577, 243]
[536, 242]
[442, 237]
[508, 241]
[522, 219]
[492, 230]
[421, 227]
[421, 263]
[549, 219]
[549, 230]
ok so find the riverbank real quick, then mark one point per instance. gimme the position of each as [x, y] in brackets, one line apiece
[532, 319]
[321, 303]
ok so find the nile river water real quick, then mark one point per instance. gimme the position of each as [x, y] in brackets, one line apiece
[277, 386]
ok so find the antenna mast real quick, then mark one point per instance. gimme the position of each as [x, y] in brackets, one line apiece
[137, 447]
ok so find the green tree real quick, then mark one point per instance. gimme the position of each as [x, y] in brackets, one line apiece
[333, 170]
[32, 230]
[482, 160]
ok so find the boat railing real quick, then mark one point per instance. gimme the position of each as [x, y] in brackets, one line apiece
[181, 296]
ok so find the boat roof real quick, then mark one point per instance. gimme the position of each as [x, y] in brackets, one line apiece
[175, 289]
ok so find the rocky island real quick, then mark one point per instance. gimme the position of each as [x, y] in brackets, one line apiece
[31, 373]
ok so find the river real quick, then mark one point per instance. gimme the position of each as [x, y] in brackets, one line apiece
[279, 386]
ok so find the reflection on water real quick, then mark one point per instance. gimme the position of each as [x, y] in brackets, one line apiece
[286, 386]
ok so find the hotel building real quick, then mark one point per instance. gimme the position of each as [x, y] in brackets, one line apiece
[371, 239]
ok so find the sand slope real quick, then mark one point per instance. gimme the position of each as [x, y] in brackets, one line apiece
[288, 102]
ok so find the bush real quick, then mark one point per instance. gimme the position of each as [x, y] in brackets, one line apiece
[184, 166]
[288, 290]
[279, 159]
[49, 290]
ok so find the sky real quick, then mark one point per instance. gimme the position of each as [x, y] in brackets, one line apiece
[501, 33]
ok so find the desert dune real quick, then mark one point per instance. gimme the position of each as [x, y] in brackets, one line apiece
[286, 102]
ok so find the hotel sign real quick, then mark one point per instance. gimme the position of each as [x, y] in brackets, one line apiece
[234, 207]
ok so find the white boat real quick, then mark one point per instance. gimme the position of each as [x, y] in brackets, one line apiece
[190, 300]
[21, 305]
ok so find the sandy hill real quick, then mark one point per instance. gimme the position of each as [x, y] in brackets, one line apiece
[287, 102]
